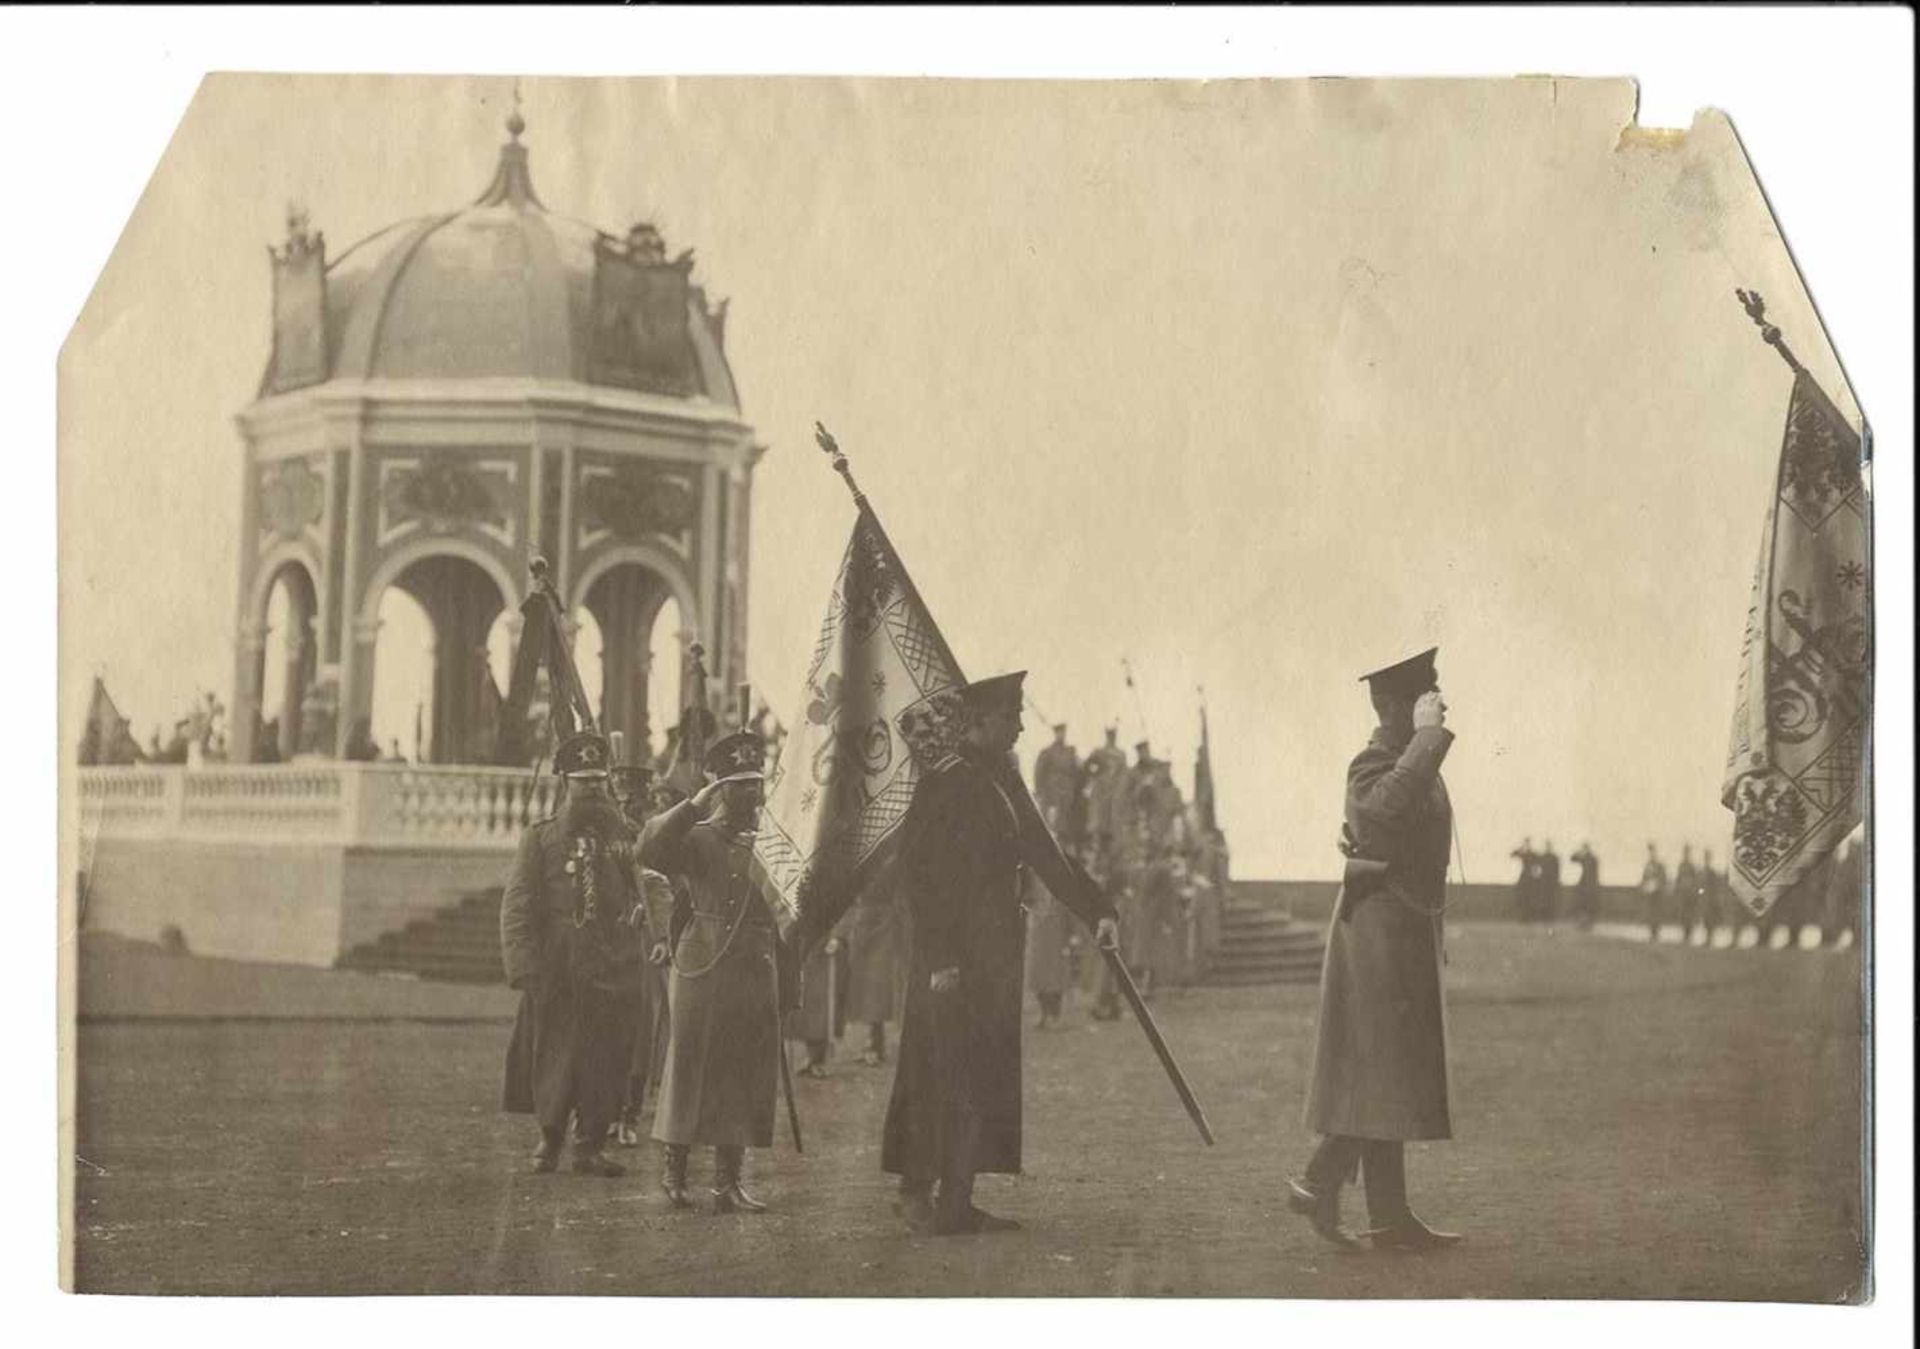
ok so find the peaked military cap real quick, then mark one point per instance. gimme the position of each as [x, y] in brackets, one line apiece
[737, 757]
[1414, 675]
[583, 755]
[1000, 692]
[634, 776]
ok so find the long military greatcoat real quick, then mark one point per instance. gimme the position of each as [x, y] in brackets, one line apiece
[876, 957]
[650, 1007]
[959, 1070]
[1049, 928]
[822, 1013]
[723, 1062]
[1380, 1058]
[573, 1037]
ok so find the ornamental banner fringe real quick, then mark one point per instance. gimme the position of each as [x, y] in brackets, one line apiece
[880, 705]
[1803, 701]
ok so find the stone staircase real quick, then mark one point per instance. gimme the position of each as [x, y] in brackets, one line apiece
[459, 944]
[1261, 944]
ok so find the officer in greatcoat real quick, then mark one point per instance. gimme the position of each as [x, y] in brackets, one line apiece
[1653, 889]
[1380, 1057]
[1056, 783]
[821, 1017]
[572, 920]
[955, 1107]
[723, 1059]
[1049, 960]
[633, 791]
[876, 967]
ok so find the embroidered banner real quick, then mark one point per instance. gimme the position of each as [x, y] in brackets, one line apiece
[1803, 704]
[880, 704]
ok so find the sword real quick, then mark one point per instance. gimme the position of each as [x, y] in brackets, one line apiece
[786, 1085]
[1158, 1041]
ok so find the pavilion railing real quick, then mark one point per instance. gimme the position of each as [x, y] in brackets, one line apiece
[350, 804]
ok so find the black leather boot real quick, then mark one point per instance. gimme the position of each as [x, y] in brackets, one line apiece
[588, 1159]
[1321, 1208]
[728, 1195]
[546, 1157]
[673, 1176]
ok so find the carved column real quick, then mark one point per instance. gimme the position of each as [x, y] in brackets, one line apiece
[249, 678]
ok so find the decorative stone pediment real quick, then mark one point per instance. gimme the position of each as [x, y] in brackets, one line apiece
[292, 498]
[446, 493]
[630, 501]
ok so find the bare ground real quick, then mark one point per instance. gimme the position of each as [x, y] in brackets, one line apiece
[1632, 1122]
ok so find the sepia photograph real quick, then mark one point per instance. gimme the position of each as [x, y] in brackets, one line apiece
[896, 687]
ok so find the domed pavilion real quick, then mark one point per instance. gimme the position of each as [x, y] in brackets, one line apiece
[444, 400]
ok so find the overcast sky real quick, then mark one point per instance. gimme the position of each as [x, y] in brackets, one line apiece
[1255, 385]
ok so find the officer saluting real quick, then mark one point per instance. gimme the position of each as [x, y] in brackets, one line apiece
[1380, 1061]
[723, 1058]
[570, 937]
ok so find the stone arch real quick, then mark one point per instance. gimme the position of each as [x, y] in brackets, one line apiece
[405, 556]
[292, 567]
[625, 592]
[656, 560]
[462, 590]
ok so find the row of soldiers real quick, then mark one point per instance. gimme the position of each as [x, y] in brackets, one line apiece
[1695, 896]
[1164, 863]
[1129, 827]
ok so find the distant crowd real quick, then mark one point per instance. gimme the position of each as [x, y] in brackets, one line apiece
[1693, 903]
[1161, 858]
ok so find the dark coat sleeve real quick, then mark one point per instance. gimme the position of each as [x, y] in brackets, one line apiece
[943, 868]
[520, 913]
[1065, 879]
[663, 839]
[1385, 793]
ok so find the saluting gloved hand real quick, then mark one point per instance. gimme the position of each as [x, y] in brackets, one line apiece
[1429, 711]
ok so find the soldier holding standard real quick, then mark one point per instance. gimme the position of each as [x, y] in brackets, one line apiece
[1380, 1061]
[955, 1108]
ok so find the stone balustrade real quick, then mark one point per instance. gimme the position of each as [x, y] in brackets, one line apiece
[373, 805]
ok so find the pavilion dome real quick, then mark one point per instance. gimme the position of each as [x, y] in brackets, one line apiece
[501, 288]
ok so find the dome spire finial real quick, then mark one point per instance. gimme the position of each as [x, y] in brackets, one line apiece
[515, 122]
[512, 183]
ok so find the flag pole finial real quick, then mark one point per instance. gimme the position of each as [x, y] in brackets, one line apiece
[831, 447]
[1756, 307]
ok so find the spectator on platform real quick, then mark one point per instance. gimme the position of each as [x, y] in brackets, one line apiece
[1050, 932]
[1586, 887]
[1526, 884]
[1713, 896]
[1686, 893]
[1653, 891]
[1549, 884]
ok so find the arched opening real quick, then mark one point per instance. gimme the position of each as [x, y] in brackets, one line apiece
[402, 703]
[632, 671]
[589, 649]
[436, 681]
[667, 656]
[288, 661]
